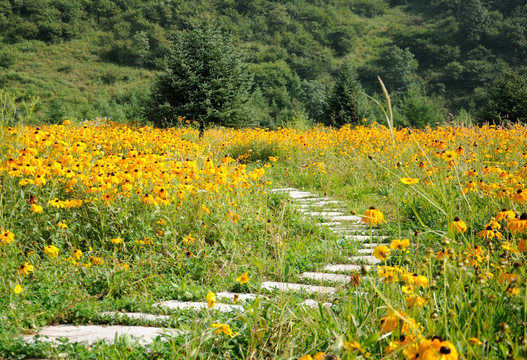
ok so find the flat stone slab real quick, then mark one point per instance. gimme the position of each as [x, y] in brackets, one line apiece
[301, 194]
[139, 316]
[322, 213]
[370, 246]
[347, 218]
[343, 267]
[365, 259]
[326, 277]
[364, 238]
[329, 224]
[365, 251]
[282, 190]
[314, 304]
[92, 333]
[185, 305]
[281, 286]
[230, 295]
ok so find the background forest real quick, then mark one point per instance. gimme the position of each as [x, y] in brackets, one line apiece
[440, 59]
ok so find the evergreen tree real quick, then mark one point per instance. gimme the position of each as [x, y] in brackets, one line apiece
[347, 102]
[205, 80]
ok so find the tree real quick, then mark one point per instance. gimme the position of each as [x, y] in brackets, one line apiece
[507, 99]
[347, 102]
[205, 80]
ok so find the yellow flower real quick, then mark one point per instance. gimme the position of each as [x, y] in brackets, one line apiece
[205, 209]
[223, 328]
[211, 300]
[18, 289]
[415, 300]
[382, 252]
[6, 237]
[25, 268]
[273, 158]
[243, 278]
[457, 225]
[36, 208]
[517, 226]
[62, 225]
[505, 215]
[475, 341]
[77, 254]
[397, 244]
[96, 260]
[116, 241]
[436, 349]
[373, 217]
[51, 250]
[409, 181]
[189, 239]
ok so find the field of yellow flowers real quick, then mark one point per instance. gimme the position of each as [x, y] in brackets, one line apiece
[101, 216]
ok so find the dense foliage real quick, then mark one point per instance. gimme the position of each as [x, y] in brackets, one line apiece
[454, 51]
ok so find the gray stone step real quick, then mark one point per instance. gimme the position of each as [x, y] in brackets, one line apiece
[321, 213]
[283, 190]
[364, 259]
[328, 224]
[370, 245]
[364, 238]
[227, 295]
[139, 316]
[343, 267]
[314, 304]
[281, 286]
[185, 305]
[325, 277]
[92, 333]
[365, 251]
[354, 218]
[301, 194]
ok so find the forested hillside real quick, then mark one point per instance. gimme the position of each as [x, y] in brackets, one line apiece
[99, 58]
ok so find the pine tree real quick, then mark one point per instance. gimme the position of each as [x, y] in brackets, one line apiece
[205, 80]
[347, 102]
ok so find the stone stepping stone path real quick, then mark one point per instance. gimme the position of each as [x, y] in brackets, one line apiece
[90, 334]
[348, 227]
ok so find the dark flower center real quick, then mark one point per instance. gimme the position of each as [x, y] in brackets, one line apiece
[372, 208]
[489, 228]
[457, 218]
[524, 216]
[445, 350]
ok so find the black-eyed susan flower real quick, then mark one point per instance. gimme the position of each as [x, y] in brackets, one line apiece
[382, 252]
[409, 181]
[415, 300]
[25, 269]
[436, 349]
[373, 217]
[77, 254]
[520, 197]
[399, 244]
[243, 278]
[36, 208]
[457, 226]
[489, 234]
[18, 289]
[505, 215]
[51, 250]
[211, 300]
[223, 328]
[517, 226]
[6, 237]
[116, 241]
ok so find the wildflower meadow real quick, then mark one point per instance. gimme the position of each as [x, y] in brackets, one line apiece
[99, 217]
